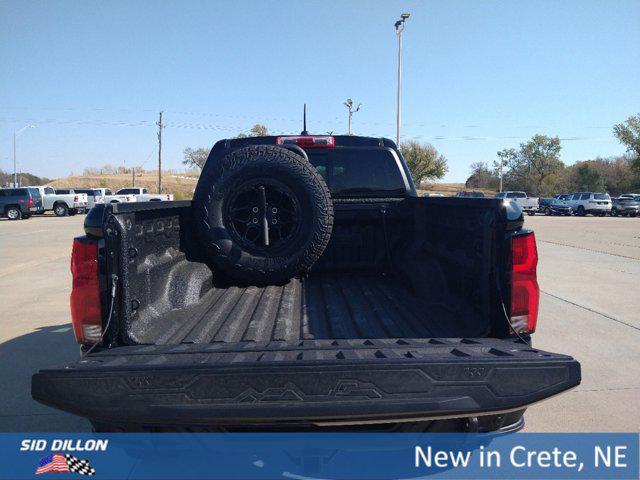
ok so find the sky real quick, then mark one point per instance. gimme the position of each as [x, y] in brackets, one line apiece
[478, 76]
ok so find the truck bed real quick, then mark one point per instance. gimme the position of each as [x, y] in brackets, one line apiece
[322, 306]
[399, 321]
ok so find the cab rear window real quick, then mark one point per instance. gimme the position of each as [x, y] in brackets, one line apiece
[359, 171]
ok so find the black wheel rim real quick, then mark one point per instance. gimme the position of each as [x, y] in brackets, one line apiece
[263, 215]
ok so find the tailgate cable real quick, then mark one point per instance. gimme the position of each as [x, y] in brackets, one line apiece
[506, 316]
[114, 282]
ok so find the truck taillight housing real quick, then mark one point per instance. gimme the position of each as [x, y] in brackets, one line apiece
[308, 141]
[525, 292]
[75, 199]
[85, 295]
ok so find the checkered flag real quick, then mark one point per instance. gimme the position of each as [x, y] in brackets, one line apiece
[83, 467]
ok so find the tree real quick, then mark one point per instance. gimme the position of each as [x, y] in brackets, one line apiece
[195, 158]
[616, 174]
[587, 178]
[424, 161]
[532, 166]
[482, 177]
[629, 135]
[258, 130]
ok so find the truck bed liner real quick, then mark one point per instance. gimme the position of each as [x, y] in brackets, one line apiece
[322, 306]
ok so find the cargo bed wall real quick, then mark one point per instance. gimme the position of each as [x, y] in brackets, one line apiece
[397, 270]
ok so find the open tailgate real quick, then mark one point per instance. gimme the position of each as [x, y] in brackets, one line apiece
[311, 381]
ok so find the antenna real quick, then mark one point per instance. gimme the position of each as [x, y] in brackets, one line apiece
[304, 121]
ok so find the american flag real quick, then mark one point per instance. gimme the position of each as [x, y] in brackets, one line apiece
[56, 462]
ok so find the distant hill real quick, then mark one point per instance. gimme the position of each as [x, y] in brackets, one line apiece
[181, 185]
[24, 179]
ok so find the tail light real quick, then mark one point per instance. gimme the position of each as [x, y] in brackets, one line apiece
[75, 199]
[525, 292]
[30, 202]
[85, 295]
[307, 141]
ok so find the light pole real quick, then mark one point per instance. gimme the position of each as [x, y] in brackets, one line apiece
[349, 104]
[15, 168]
[399, 29]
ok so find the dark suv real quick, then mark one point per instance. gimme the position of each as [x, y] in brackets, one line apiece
[17, 203]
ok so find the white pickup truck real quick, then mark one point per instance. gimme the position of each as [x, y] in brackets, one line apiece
[142, 195]
[63, 202]
[526, 203]
[104, 195]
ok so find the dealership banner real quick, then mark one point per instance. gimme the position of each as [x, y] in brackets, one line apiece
[301, 456]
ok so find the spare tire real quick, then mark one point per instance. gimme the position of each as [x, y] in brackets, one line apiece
[264, 213]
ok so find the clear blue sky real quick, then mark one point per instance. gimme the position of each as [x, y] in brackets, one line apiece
[478, 76]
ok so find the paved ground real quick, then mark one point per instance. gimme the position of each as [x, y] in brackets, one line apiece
[590, 307]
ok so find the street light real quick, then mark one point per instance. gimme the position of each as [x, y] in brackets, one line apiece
[15, 169]
[349, 104]
[399, 28]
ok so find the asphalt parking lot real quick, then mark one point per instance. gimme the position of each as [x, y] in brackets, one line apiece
[589, 274]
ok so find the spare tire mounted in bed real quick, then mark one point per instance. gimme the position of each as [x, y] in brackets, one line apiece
[264, 214]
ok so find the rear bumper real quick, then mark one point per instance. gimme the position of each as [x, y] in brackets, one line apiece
[326, 382]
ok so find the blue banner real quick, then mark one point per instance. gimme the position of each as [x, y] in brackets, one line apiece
[369, 456]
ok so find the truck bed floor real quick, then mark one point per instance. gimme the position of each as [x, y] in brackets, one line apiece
[323, 306]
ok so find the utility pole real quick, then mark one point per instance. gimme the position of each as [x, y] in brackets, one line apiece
[133, 176]
[501, 155]
[15, 162]
[15, 168]
[160, 127]
[349, 104]
[399, 29]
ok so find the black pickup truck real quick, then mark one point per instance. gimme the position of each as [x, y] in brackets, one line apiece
[252, 308]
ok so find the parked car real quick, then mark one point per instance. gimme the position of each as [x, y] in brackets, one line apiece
[314, 291]
[597, 204]
[565, 197]
[104, 195]
[20, 203]
[427, 194]
[625, 206]
[63, 202]
[526, 203]
[553, 206]
[470, 194]
[634, 196]
[142, 195]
